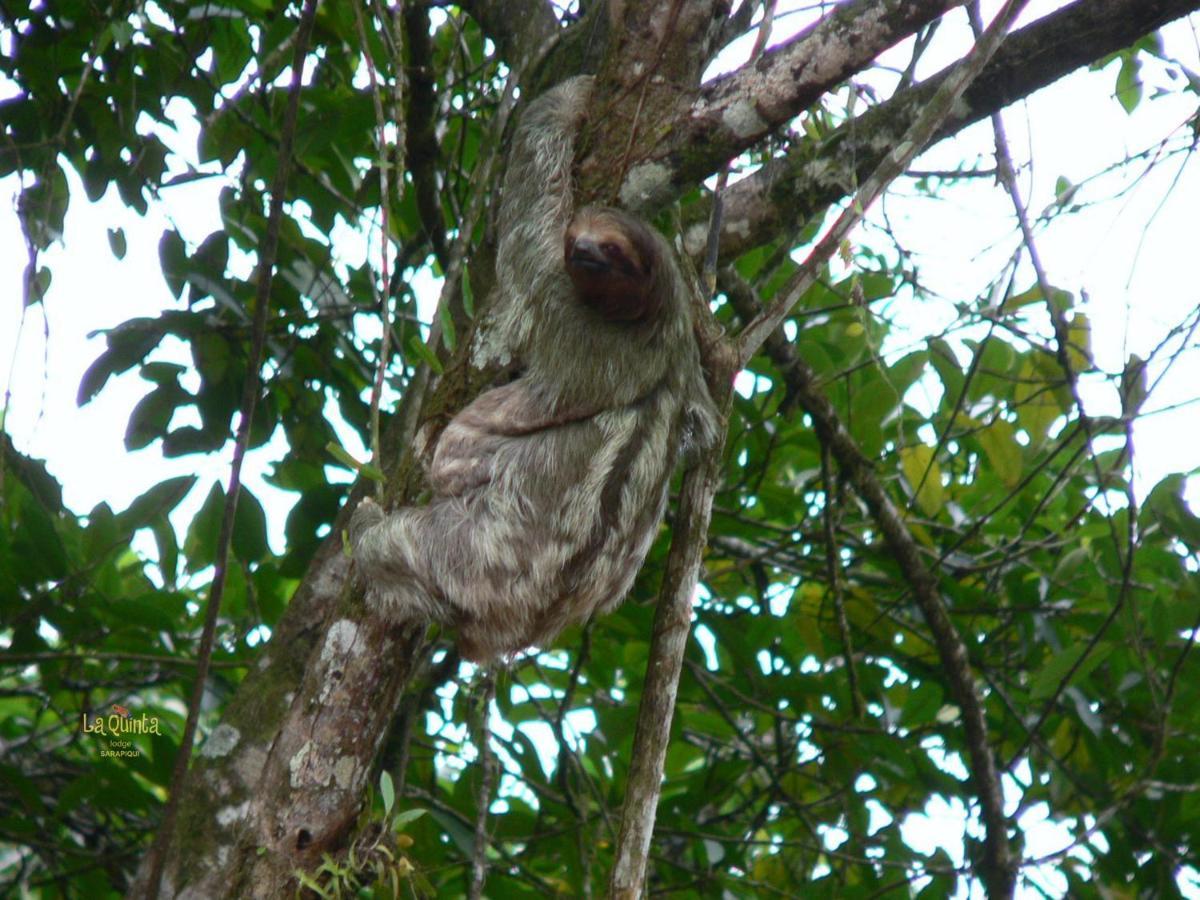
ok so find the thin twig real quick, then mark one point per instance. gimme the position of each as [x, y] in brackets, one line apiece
[672, 625]
[833, 576]
[384, 166]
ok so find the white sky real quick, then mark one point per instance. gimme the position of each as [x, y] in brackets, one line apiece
[1132, 256]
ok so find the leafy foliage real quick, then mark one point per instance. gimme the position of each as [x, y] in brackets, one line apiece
[814, 725]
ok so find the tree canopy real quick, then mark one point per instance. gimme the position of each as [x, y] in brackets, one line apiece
[941, 637]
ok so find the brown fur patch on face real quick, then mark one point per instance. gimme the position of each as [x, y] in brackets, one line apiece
[613, 261]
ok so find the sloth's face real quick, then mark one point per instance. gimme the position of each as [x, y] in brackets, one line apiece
[611, 261]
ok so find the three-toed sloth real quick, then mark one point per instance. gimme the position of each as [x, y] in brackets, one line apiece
[548, 491]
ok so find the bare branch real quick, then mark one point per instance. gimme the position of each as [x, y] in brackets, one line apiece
[917, 135]
[788, 190]
[734, 113]
[483, 797]
[422, 147]
[672, 626]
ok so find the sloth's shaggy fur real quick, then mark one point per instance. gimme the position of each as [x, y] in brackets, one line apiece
[549, 490]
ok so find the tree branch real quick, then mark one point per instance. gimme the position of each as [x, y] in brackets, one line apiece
[672, 626]
[788, 190]
[483, 796]
[650, 70]
[932, 114]
[422, 148]
[737, 111]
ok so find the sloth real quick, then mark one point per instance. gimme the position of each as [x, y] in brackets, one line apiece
[548, 491]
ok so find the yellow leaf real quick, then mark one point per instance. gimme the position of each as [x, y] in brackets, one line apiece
[924, 476]
[808, 599]
[1036, 401]
[1016, 301]
[1079, 343]
[1000, 445]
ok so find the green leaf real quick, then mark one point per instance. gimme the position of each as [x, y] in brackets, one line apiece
[102, 535]
[249, 528]
[128, 345]
[922, 705]
[40, 536]
[1037, 400]
[1046, 681]
[156, 502]
[1134, 386]
[407, 817]
[449, 336]
[468, 293]
[147, 612]
[42, 207]
[949, 371]
[1064, 191]
[344, 456]
[212, 256]
[152, 415]
[1025, 298]
[873, 404]
[168, 549]
[462, 836]
[387, 790]
[1079, 343]
[1167, 508]
[182, 441]
[199, 547]
[905, 372]
[39, 285]
[172, 257]
[265, 420]
[116, 241]
[1129, 82]
[421, 350]
[162, 373]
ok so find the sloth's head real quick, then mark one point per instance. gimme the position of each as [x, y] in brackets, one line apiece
[615, 263]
